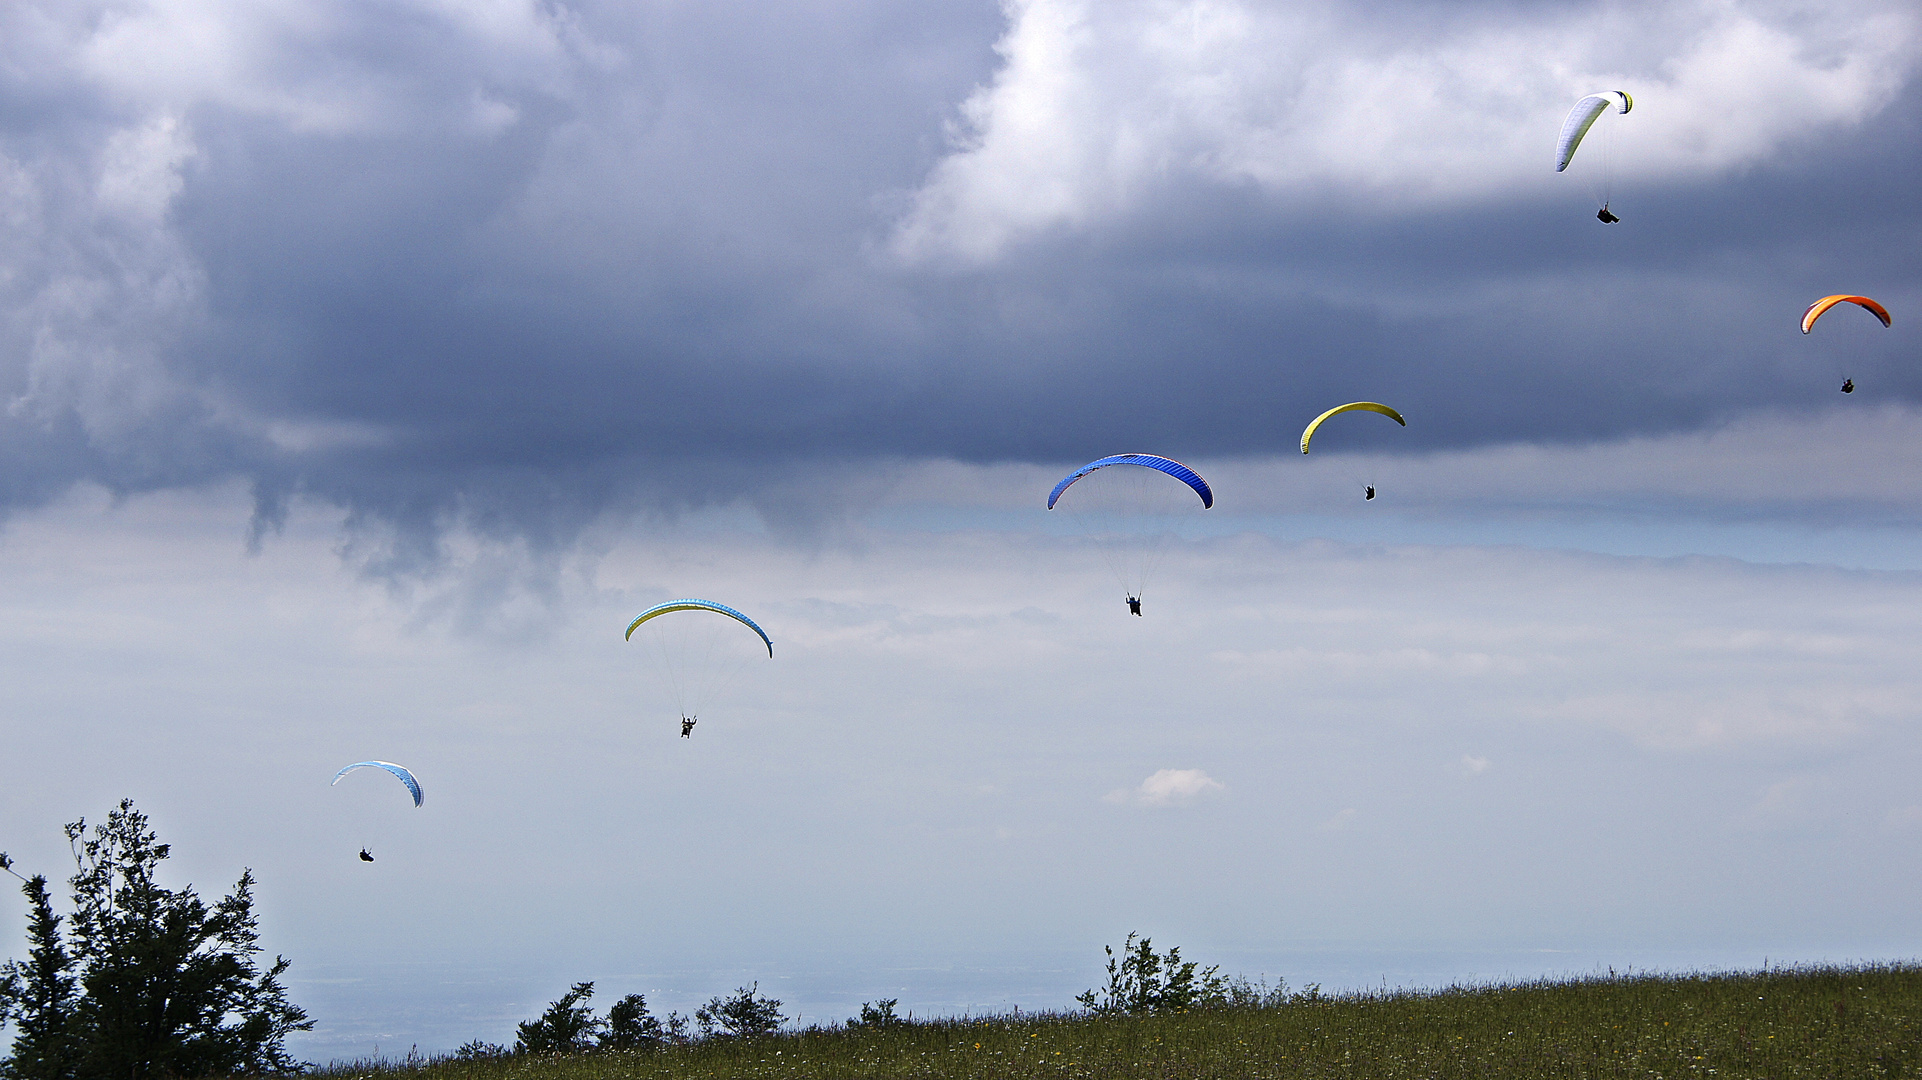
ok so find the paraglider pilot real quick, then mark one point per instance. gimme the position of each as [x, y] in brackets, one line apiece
[1848, 386]
[687, 726]
[1605, 217]
[1369, 497]
[1134, 605]
[366, 856]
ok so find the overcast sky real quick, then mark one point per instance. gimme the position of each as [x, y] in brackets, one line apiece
[368, 366]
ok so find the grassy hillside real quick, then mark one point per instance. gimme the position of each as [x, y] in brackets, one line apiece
[1825, 1022]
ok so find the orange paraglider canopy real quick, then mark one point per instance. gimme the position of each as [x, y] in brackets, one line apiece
[1816, 309]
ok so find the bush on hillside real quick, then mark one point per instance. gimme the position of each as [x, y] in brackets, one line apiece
[479, 1050]
[631, 1027]
[878, 1014]
[745, 1014]
[567, 1027]
[1141, 982]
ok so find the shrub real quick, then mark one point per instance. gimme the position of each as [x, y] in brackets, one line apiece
[567, 1027]
[477, 1050]
[631, 1027]
[747, 1013]
[877, 1014]
[1141, 982]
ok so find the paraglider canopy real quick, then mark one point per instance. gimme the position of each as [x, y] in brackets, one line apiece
[699, 605]
[1366, 406]
[405, 777]
[1147, 461]
[1582, 117]
[1817, 309]
[1132, 507]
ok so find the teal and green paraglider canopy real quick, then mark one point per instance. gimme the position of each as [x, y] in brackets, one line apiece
[699, 605]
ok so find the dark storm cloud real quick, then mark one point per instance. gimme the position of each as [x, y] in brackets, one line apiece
[1523, 321]
[650, 266]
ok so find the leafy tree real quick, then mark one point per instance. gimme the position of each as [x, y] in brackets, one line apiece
[631, 1027]
[746, 1013]
[878, 1014]
[479, 1050]
[1141, 982]
[567, 1027]
[151, 981]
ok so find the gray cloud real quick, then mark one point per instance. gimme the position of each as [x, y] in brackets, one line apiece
[1099, 105]
[521, 269]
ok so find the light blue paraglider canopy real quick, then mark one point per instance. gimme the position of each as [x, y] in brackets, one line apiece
[405, 777]
[691, 604]
[1147, 461]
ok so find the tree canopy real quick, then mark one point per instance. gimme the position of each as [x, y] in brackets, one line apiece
[146, 981]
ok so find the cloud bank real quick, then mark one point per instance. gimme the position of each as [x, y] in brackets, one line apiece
[1104, 110]
[516, 268]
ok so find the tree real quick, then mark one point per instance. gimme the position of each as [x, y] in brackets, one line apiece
[1139, 981]
[479, 1050]
[878, 1014]
[151, 981]
[631, 1027]
[40, 994]
[567, 1027]
[746, 1013]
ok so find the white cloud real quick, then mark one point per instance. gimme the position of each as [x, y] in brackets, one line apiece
[1472, 764]
[96, 279]
[1100, 105]
[304, 63]
[1168, 787]
[94, 283]
[140, 169]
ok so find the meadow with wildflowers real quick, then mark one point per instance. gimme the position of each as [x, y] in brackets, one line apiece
[1781, 1023]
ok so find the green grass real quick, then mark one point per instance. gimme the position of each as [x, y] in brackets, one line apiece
[1804, 1022]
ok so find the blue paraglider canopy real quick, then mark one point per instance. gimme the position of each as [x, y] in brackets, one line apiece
[405, 777]
[1147, 461]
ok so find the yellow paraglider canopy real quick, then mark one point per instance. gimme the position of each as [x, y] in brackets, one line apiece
[1369, 406]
